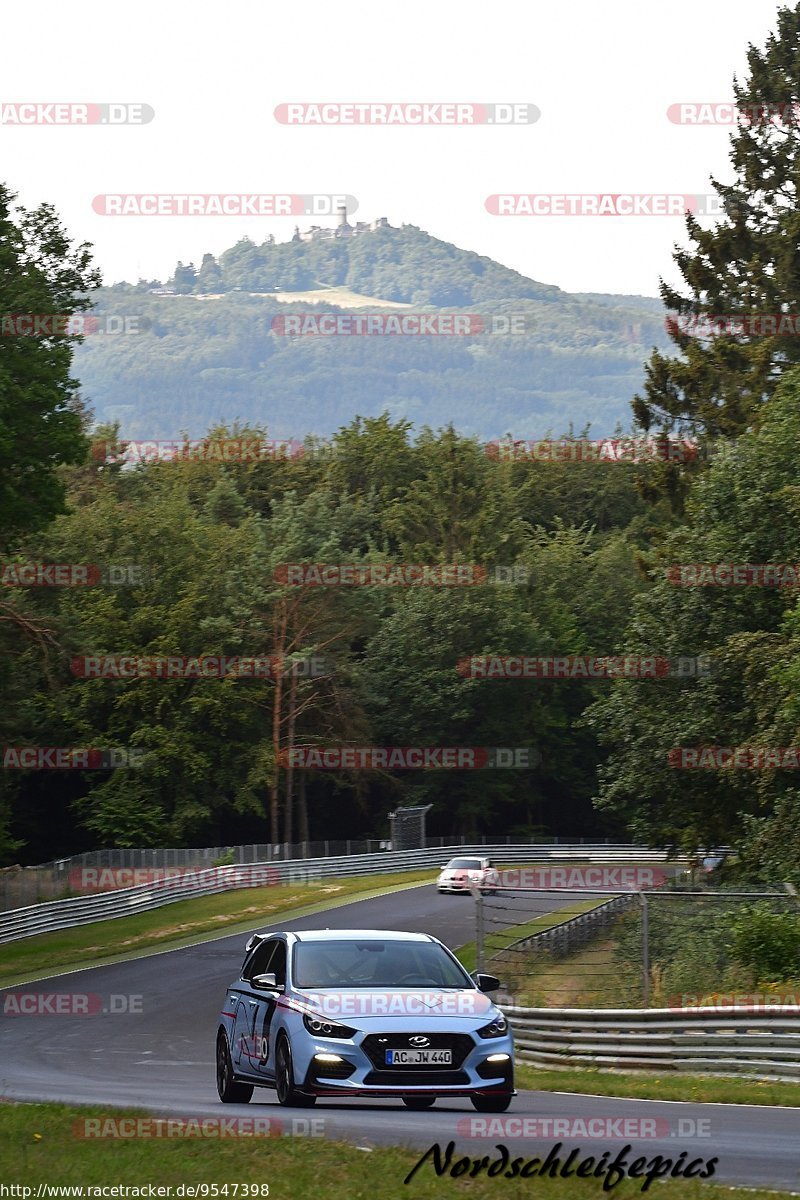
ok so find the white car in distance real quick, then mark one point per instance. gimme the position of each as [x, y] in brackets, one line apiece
[464, 874]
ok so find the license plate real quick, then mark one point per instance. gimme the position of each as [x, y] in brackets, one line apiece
[408, 1058]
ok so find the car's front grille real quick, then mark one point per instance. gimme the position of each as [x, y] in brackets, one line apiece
[376, 1045]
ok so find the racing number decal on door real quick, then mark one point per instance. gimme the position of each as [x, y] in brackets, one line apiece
[251, 1033]
[262, 1041]
[242, 1031]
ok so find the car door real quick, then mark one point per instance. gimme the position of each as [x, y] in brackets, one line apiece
[259, 1005]
[249, 1050]
[267, 1007]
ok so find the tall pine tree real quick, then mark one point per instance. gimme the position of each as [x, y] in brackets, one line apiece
[748, 265]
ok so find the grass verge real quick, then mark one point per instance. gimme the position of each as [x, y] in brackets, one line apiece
[38, 1145]
[183, 923]
[692, 1089]
[495, 943]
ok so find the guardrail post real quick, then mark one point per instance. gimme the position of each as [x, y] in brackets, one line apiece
[479, 930]
[645, 951]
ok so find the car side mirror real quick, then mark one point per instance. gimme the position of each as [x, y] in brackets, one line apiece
[268, 981]
[486, 983]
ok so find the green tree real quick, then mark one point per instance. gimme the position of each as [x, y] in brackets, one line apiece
[745, 509]
[184, 278]
[748, 264]
[767, 943]
[209, 278]
[41, 424]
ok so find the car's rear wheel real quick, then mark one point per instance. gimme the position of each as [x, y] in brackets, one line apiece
[288, 1094]
[230, 1090]
[490, 1104]
[417, 1103]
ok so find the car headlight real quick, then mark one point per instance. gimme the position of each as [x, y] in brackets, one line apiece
[329, 1029]
[496, 1028]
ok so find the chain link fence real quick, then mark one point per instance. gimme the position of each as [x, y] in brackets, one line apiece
[666, 948]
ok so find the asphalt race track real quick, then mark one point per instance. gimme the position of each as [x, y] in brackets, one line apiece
[162, 1059]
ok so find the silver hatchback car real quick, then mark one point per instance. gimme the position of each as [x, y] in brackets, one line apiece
[353, 1012]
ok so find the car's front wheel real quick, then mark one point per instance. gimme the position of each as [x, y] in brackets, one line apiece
[288, 1094]
[417, 1103]
[230, 1090]
[490, 1104]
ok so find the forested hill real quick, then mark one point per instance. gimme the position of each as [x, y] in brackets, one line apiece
[208, 351]
[406, 265]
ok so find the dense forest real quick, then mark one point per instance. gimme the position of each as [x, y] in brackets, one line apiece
[210, 542]
[192, 559]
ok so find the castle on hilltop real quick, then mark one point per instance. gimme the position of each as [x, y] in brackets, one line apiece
[317, 233]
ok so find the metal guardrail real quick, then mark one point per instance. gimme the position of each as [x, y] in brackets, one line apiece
[734, 1041]
[64, 914]
[22, 886]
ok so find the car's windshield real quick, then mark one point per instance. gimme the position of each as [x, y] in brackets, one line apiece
[375, 964]
[464, 864]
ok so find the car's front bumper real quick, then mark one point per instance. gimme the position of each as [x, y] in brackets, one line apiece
[487, 1067]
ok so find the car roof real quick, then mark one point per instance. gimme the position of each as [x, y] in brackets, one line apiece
[360, 935]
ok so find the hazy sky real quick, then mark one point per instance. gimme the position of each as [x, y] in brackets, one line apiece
[603, 76]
